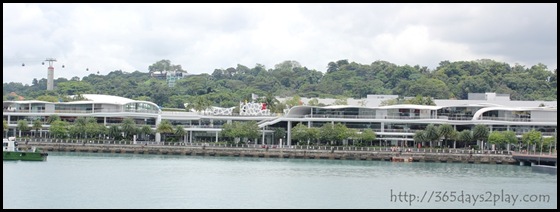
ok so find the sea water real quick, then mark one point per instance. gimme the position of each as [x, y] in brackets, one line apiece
[134, 181]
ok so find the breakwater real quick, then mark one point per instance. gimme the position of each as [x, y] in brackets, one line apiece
[302, 152]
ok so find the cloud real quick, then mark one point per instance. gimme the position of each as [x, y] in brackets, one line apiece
[204, 37]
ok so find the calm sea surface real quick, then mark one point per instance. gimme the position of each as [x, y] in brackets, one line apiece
[98, 180]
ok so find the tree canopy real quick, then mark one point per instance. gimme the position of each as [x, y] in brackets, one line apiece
[341, 79]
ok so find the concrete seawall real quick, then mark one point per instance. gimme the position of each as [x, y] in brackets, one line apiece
[259, 152]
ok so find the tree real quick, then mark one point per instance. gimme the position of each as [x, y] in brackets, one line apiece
[368, 135]
[229, 130]
[496, 138]
[299, 132]
[294, 101]
[327, 133]
[79, 126]
[164, 66]
[279, 133]
[531, 138]
[466, 137]
[341, 101]
[510, 138]
[445, 130]
[115, 132]
[146, 131]
[6, 126]
[454, 136]
[22, 125]
[180, 132]
[128, 127]
[165, 127]
[37, 125]
[334, 133]
[313, 134]
[420, 137]
[201, 103]
[94, 129]
[432, 133]
[270, 101]
[480, 133]
[52, 118]
[59, 129]
[250, 130]
[313, 102]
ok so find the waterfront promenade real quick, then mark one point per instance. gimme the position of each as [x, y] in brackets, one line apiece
[264, 151]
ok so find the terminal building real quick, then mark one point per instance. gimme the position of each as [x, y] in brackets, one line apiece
[393, 123]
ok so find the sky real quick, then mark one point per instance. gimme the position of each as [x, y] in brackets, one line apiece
[91, 38]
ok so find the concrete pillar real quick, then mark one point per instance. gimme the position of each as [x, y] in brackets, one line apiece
[217, 136]
[289, 134]
[263, 134]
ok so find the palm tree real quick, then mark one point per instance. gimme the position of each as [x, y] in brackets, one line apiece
[180, 132]
[431, 133]
[128, 127]
[445, 130]
[114, 132]
[481, 133]
[146, 131]
[420, 137]
[466, 137]
[454, 136]
[200, 104]
[164, 128]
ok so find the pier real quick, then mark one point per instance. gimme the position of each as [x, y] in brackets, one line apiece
[300, 152]
[535, 159]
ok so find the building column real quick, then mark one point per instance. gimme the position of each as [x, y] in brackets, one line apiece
[216, 136]
[289, 134]
[308, 126]
[190, 139]
[263, 134]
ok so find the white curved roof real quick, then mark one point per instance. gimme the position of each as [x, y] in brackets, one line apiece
[107, 99]
[28, 102]
[479, 113]
[101, 98]
[429, 107]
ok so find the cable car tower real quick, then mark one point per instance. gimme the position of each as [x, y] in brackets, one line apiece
[50, 73]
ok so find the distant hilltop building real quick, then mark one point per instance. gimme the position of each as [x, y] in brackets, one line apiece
[169, 76]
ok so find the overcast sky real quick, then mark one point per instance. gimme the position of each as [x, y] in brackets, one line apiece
[204, 37]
